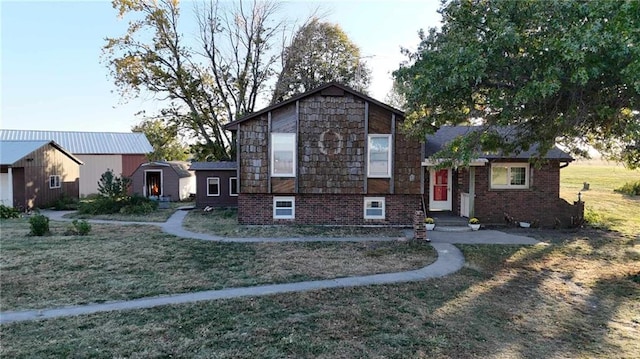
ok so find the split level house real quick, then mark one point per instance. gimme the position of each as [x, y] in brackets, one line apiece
[121, 152]
[335, 156]
[36, 173]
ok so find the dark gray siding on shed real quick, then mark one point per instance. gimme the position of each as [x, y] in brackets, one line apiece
[221, 201]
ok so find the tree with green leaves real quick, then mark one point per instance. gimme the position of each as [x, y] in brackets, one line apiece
[206, 81]
[550, 71]
[164, 140]
[320, 52]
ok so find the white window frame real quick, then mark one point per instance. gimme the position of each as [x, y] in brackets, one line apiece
[292, 215]
[209, 194]
[389, 156]
[368, 200]
[291, 147]
[509, 166]
[56, 181]
[231, 179]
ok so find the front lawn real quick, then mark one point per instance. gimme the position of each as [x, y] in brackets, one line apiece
[578, 297]
[124, 262]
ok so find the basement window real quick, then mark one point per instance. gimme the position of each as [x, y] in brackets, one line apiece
[54, 181]
[374, 208]
[284, 207]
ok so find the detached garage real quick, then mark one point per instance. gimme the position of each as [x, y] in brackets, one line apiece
[37, 173]
[170, 179]
[216, 184]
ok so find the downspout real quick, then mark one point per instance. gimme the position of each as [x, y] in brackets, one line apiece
[472, 191]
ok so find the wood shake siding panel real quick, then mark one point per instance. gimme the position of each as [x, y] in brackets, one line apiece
[254, 155]
[331, 145]
[283, 120]
[283, 185]
[407, 163]
[379, 120]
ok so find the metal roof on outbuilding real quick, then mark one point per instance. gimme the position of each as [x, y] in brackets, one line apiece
[13, 151]
[86, 142]
[210, 166]
[180, 167]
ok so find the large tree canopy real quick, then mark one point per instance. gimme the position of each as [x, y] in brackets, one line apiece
[554, 71]
[207, 80]
[320, 52]
[164, 140]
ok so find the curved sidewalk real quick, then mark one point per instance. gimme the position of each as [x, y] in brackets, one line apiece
[449, 261]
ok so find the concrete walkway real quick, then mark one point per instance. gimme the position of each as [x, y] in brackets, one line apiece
[450, 260]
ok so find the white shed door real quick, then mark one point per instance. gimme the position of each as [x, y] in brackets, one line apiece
[6, 192]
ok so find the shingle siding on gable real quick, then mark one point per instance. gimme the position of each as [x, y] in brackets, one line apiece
[331, 164]
[253, 137]
[331, 146]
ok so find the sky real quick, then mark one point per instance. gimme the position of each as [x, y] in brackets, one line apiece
[52, 77]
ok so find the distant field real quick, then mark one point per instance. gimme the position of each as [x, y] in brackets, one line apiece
[613, 210]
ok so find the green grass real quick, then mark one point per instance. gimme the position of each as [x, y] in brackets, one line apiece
[125, 262]
[573, 298]
[223, 222]
[606, 207]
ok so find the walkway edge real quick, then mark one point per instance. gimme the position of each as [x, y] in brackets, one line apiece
[450, 260]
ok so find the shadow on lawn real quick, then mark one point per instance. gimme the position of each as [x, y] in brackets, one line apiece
[561, 299]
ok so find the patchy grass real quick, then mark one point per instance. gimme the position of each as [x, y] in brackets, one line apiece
[223, 222]
[572, 298]
[159, 215]
[125, 262]
[606, 208]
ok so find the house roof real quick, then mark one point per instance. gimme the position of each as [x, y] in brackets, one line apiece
[445, 134]
[86, 142]
[209, 166]
[179, 167]
[13, 151]
[232, 126]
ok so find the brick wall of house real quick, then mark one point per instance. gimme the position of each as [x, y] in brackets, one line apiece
[327, 209]
[539, 203]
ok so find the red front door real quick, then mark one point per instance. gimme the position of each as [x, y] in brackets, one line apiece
[440, 191]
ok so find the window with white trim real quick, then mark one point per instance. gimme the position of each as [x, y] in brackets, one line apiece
[54, 181]
[284, 207]
[283, 154]
[379, 156]
[374, 208]
[213, 186]
[509, 175]
[233, 186]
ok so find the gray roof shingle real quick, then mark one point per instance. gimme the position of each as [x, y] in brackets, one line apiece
[85, 142]
[445, 134]
[209, 166]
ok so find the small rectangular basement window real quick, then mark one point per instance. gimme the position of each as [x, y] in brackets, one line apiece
[284, 207]
[374, 208]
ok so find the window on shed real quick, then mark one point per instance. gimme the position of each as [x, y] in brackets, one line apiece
[54, 181]
[509, 175]
[283, 154]
[213, 186]
[379, 156]
[233, 186]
